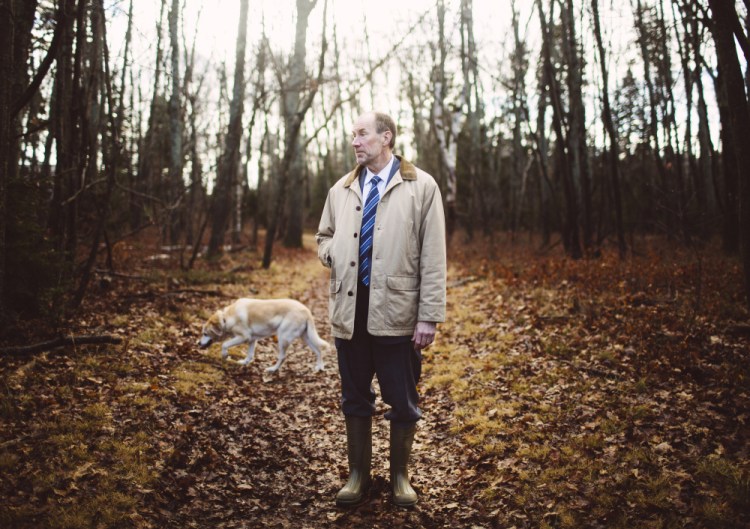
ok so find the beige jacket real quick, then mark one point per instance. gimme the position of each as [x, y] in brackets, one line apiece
[409, 257]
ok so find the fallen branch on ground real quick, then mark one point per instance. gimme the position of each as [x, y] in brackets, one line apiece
[61, 342]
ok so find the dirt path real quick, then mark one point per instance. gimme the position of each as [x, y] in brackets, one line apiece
[269, 451]
[560, 394]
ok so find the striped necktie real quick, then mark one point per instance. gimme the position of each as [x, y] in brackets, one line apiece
[367, 232]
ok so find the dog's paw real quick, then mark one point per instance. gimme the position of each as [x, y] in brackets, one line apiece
[272, 369]
[319, 368]
[245, 361]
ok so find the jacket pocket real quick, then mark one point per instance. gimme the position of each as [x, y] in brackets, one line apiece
[402, 301]
[333, 293]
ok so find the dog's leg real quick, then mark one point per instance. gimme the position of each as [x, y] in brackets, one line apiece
[250, 353]
[237, 340]
[319, 363]
[282, 356]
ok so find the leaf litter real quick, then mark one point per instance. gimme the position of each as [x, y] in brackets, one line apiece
[560, 393]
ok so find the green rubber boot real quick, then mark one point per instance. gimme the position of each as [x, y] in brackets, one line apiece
[359, 449]
[401, 441]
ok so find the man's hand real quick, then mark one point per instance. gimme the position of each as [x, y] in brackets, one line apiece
[424, 334]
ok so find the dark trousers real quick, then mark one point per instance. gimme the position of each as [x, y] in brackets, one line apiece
[392, 358]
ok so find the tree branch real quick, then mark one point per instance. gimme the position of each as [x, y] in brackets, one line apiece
[44, 67]
[61, 342]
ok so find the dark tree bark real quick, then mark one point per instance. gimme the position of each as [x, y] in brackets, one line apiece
[614, 154]
[662, 192]
[149, 159]
[570, 231]
[7, 32]
[222, 197]
[64, 115]
[724, 18]
[577, 148]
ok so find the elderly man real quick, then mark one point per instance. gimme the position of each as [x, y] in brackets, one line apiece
[382, 233]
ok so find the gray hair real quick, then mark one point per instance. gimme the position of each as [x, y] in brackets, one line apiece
[385, 122]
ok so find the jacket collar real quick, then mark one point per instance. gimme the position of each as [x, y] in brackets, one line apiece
[407, 170]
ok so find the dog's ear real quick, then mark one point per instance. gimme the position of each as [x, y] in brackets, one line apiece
[220, 317]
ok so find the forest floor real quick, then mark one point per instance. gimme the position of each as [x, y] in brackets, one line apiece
[590, 393]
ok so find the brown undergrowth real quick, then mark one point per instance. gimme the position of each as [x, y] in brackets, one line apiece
[591, 393]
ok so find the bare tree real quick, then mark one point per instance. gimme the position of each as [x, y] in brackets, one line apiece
[724, 23]
[447, 119]
[229, 166]
[614, 155]
[175, 187]
[577, 147]
[571, 239]
[16, 21]
[294, 117]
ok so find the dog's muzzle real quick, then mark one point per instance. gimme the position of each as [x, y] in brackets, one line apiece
[205, 341]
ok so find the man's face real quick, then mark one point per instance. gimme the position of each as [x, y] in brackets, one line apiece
[370, 148]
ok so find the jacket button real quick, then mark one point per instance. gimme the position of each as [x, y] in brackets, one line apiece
[350, 293]
[353, 263]
[355, 235]
[358, 208]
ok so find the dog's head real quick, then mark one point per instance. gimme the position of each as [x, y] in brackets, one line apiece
[213, 329]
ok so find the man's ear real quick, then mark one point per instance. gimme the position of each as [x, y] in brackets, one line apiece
[387, 135]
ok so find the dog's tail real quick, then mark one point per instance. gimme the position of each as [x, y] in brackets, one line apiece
[312, 334]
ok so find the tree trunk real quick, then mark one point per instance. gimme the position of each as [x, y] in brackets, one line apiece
[724, 17]
[292, 130]
[222, 197]
[7, 67]
[446, 123]
[519, 65]
[290, 107]
[614, 154]
[149, 167]
[65, 127]
[663, 193]
[175, 185]
[571, 237]
[577, 149]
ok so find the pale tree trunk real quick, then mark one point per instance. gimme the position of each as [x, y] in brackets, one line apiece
[149, 168]
[724, 18]
[290, 103]
[222, 196]
[446, 122]
[519, 66]
[294, 118]
[196, 214]
[614, 153]
[259, 104]
[478, 200]
[175, 186]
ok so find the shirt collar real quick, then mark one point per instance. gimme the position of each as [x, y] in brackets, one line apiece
[383, 174]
